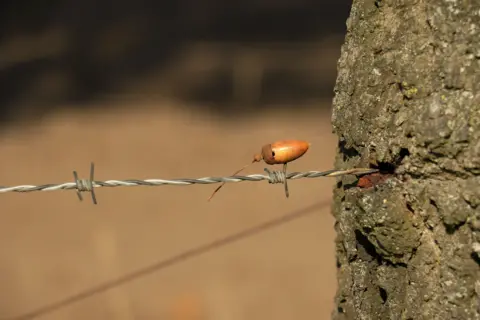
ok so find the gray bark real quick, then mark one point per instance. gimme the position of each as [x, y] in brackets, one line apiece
[407, 99]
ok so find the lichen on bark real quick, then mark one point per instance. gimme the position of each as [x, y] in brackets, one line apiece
[407, 99]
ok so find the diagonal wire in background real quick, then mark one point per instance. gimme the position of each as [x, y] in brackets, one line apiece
[174, 260]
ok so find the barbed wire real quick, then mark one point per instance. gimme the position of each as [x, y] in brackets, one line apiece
[88, 185]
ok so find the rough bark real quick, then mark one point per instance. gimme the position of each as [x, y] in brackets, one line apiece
[407, 99]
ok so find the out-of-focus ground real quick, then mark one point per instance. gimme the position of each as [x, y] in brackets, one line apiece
[157, 90]
[53, 246]
[229, 57]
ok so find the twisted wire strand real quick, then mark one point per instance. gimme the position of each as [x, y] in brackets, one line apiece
[86, 185]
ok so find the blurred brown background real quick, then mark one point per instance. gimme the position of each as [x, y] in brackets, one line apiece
[152, 89]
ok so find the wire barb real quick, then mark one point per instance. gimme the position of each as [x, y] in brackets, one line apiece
[85, 185]
[279, 177]
[273, 177]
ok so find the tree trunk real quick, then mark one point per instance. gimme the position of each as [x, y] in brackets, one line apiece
[407, 99]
